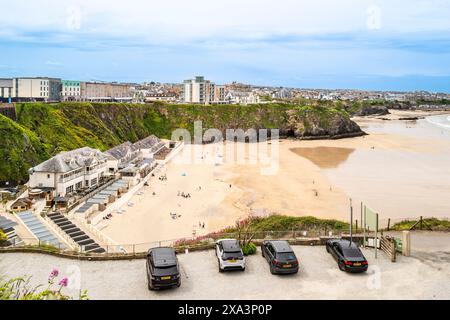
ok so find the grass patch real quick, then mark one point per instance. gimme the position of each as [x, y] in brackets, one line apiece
[429, 223]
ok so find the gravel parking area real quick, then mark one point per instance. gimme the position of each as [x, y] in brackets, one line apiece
[318, 278]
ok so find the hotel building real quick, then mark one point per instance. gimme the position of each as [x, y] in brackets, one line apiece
[69, 172]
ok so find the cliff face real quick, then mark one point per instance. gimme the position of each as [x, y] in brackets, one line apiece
[370, 110]
[43, 130]
[321, 123]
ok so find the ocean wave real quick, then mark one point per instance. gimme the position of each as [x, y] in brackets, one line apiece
[441, 121]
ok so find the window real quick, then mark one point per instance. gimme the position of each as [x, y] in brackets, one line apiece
[94, 182]
[48, 176]
[69, 189]
[271, 249]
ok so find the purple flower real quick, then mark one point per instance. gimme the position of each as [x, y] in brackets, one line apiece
[64, 282]
[53, 274]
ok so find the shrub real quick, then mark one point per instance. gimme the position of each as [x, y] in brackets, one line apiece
[249, 249]
[3, 239]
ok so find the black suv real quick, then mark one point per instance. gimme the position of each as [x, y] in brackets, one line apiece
[162, 268]
[280, 256]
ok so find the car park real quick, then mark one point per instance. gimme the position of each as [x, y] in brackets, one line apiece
[348, 255]
[162, 268]
[280, 256]
[229, 255]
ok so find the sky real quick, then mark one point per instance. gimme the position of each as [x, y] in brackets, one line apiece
[357, 44]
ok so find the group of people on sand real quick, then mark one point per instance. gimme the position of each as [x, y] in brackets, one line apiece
[184, 195]
[163, 178]
[107, 217]
[175, 215]
[201, 225]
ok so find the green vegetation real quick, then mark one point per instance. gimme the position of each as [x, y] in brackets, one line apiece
[20, 148]
[3, 238]
[249, 249]
[20, 289]
[429, 223]
[286, 223]
[43, 130]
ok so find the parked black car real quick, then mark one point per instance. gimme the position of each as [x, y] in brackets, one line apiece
[162, 268]
[347, 254]
[280, 256]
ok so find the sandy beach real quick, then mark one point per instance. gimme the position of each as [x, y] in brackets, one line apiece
[400, 170]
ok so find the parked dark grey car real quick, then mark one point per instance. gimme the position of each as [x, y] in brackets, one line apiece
[281, 257]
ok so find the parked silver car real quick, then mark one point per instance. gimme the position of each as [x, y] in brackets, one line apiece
[229, 255]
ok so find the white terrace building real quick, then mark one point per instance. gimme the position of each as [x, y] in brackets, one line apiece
[71, 171]
[149, 146]
[120, 156]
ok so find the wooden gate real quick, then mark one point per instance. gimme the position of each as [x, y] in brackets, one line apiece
[388, 246]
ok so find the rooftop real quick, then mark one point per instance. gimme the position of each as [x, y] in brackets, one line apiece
[281, 246]
[71, 160]
[121, 150]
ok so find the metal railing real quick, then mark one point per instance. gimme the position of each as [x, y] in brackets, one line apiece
[114, 249]
[33, 243]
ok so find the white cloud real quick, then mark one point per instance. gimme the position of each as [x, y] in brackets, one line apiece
[184, 21]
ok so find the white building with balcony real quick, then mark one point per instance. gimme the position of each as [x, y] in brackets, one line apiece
[70, 172]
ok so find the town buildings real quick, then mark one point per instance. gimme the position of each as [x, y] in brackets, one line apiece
[197, 91]
[163, 97]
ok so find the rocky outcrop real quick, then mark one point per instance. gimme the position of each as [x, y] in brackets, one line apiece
[306, 123]
[372, 110]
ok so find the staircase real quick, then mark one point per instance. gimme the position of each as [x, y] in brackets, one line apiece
[75, 233]
[39, 230]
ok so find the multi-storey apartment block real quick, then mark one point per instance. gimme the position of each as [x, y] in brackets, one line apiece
[36, 89]
[202, 91]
